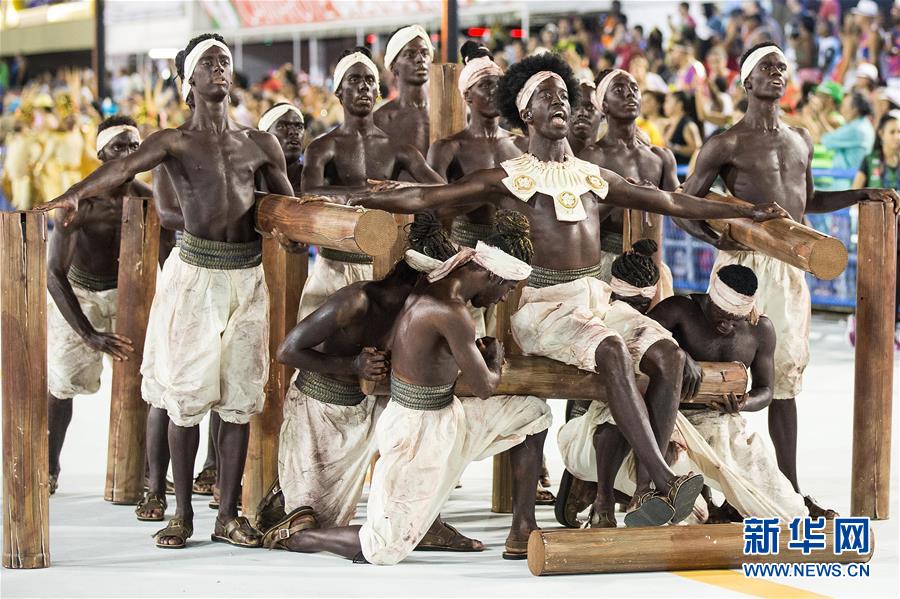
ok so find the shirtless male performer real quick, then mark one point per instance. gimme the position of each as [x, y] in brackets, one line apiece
[207, 336]
[725, 326]
[285, 122]
[343, 159]
[586, 119]
[565, 200]
[426, 435]
[82, 274]
[327, 437]
[408, 57]
[761, 160]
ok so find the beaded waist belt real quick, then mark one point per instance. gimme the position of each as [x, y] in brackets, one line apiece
[348, 257]
[91, 281]
[327, 390]
[545, 277]
[420, 397]
[220, 255]
[611, 242]
[465, 232]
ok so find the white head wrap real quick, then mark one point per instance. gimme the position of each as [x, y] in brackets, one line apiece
[193, 57]
[626, 289]
[531, 85]
[399, 40]
[108, 134]
[605, 83]
[755, 57]
[488, 257]
[271, 116]
[420, 262]
[476, 70]
[348, 61]
[729, 300]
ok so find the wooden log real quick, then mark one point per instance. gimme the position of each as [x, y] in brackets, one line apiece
[446, 106]
[285, 276]
[382, 264]
[785, 239]
[642, 225]
[502, 484]
[311, 220]
[23, 360]
[549, 379]
[138, 258]
[876, 277]
[665, 549]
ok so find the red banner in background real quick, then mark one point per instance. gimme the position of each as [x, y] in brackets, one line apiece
[261, 13]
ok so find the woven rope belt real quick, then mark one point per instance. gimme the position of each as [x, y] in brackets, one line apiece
[91, 281]
[220, 255]
[465, 232]
[348, 257]
[545, 277]
[327, 390]
[420, 397]
[612, 242]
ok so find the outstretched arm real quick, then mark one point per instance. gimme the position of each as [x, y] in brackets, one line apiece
[115, 173]
[475, 189]
[673, 203]
[415, 165]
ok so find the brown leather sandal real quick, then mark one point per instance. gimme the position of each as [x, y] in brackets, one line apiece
[651, 509]
[604, 519]
[302, 518]
[204, 482]
[448, 539]
[682, 493]
[515, 550]
[238, 532]
[150, 503]
[176, 528]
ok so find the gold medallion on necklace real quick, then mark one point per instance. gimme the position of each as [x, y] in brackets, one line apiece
[595, 182]
[523, 183]
[567, 200]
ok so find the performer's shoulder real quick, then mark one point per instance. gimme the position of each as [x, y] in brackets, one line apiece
[803, 133]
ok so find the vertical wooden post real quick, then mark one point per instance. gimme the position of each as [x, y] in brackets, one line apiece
[446, 106]
[23, 359]
[285, 277]
[874, 372]
[642, 225]
[138, 258]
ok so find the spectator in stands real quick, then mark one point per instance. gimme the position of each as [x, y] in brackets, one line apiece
[852, 141]
[689, 73]
[682, 134]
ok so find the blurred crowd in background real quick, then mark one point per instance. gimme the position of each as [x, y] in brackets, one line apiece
[844, 81]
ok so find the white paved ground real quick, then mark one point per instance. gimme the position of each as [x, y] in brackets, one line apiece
[100, 550]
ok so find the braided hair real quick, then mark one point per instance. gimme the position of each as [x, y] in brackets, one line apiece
[636, 266]
[426, 236]
[512, 235]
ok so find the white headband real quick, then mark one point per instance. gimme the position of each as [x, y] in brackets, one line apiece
[476, 70]
[271, 116]
[533, 82]
[420, 262]
[348, 61]
[755, 57]
[626, 289]
[193, 57]
[604, 85]
[493, 259]
[107, 135]
[399, 40]
[732, 302]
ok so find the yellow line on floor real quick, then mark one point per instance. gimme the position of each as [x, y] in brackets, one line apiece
[737, 582]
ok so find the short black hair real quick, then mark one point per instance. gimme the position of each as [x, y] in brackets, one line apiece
[179, 58]
[740, 278]
[512, 235]
[861, 104]
[362, 50]
[426, 236]
[115, 121]
[471, 50]
[514, 79]
[636, 266]
[754, 49]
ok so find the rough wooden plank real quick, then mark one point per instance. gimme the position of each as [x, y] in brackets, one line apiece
[446, 106]
[138, 258]
[23, 359]
[876, 277]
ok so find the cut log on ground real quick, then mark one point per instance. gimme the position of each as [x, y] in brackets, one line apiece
[789, 241]
[665, 549]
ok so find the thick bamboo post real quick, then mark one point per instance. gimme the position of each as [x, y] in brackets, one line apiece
[23, 359]
[285, 277]
[310, 220]
[138, 257]
[785, 239]
[876, 277]
[446, 106]
[665, 549]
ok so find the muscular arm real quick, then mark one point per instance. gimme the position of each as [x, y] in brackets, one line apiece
[317, 156]
[440, 157]
[762, 370]
[413, 163]
[475, 189]
[708, 164]
[166, 200]
[59, 259]
[458, 328]
[344, 307]
[669, 179]
[274, 171]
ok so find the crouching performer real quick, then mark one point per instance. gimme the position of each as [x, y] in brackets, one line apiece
[426, 435]
[724, 326]
[328, 437]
